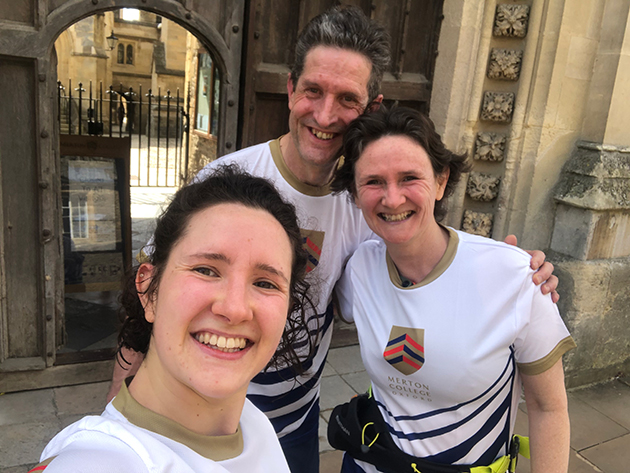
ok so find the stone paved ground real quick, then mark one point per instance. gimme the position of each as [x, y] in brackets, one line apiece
[600, 418]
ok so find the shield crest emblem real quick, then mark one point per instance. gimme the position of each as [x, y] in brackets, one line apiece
[405, 349]
[313, 242]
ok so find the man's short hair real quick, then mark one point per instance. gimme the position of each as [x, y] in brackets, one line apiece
[346, 28]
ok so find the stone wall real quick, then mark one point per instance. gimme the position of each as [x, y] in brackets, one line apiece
[537, 94]
[203, 150]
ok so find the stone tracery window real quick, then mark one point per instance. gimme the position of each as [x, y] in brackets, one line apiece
[121, 54]
[129, 54]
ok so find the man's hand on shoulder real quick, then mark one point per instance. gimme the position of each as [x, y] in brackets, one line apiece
[544, 270]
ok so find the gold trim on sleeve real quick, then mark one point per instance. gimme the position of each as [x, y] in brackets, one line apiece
[542, 365]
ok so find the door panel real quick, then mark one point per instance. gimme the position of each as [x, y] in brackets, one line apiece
[273, 27]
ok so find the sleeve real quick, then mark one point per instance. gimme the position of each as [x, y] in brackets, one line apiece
[542, 336]
[81, 460]
[343, 294]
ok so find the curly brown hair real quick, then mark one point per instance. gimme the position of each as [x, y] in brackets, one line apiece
[227, 184]
[403, 121]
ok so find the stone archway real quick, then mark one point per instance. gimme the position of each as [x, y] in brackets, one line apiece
[31, 253]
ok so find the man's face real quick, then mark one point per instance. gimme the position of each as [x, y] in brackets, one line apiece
[330, 93]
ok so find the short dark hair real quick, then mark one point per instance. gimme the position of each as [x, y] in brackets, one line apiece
[227, 184]
[345, 28]
[402, 121]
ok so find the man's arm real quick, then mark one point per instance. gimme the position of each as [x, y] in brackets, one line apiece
[546, 400]
[544, 270]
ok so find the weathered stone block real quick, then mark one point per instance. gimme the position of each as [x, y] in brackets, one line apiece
[588, 234]
[477, 223]
[594, 303]
[497, 106]
[483, 187]
[511, 20]
[505, 64]
[490, 146]
[593, 215]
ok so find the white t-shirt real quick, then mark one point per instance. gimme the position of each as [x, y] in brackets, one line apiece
[444, 355]
[130, 437]
[333, 228]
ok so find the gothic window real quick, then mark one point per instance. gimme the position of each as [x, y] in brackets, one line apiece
[121, 54]
[129, 54]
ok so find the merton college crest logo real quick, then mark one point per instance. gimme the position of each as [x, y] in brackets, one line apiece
[313, 242]
[405, 349]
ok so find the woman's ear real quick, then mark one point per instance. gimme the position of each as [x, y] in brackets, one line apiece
[442, 180]
[143, 280]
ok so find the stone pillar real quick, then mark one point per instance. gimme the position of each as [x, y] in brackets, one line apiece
[591, 235]
[593, 213]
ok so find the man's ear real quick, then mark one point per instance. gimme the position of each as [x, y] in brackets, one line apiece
[375, 104]
[290, 89]
[143, 280]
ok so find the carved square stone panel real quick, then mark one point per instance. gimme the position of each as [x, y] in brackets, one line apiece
[490, 146]
[505, 64]
[477, 223]
[482, 187]
[511, 20]
[497, 106]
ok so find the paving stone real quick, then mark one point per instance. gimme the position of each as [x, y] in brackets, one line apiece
[325, 414]
[24, 443]
[590, 427]
[359, 381]
[611, 399]
[18, 469]
[334, 391]
[579, 464]
[330, 462]
[324, 446]
[28, 406]
[346, 359]
[328, 370]
[612, 456]
[81, 399]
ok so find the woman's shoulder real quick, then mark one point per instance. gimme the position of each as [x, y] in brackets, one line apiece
[491, 250]
[371, 247]
[90, 442]
[94, 459]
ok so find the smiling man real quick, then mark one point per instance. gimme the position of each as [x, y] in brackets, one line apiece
[340, 58]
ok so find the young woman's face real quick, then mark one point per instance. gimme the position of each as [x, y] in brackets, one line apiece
[222, 301]
[397, 189]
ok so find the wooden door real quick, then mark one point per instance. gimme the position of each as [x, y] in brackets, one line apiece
[273, 27]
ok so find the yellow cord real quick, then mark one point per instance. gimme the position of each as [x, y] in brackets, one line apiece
[413, 465]
[363, 434]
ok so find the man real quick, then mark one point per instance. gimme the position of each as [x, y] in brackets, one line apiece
[340, 58]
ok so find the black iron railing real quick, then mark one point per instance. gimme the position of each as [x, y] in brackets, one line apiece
[157, 123]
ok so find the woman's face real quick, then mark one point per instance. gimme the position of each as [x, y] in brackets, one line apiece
[397, 189]
[222, 301]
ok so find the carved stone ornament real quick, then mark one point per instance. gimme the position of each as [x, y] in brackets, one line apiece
[477, 223]
[483, 187]
[490, 146]
[511, 20]
[505, 64]
[497, 106]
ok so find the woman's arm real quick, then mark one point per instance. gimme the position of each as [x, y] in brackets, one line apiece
[546, 400]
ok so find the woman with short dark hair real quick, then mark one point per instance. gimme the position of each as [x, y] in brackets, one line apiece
[446, 351]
